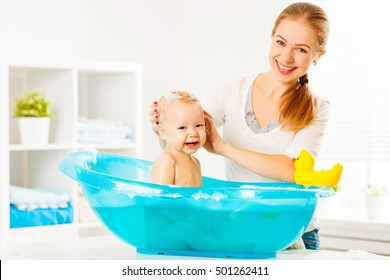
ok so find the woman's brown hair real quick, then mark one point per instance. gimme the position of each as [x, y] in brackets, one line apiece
[298, 106]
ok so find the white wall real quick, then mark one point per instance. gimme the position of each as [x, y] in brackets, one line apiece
[221, 40]
[196, 45]
[146, 32]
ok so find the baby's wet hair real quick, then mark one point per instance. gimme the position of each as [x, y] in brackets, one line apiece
[182, 96]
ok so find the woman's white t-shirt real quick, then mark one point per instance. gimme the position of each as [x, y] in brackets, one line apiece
[228, 108]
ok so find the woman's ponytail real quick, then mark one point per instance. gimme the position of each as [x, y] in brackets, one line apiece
[298, 107]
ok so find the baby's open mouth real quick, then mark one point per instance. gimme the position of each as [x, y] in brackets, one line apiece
[192, 143]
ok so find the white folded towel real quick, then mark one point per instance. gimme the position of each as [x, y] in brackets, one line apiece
[103, 131]
[30, 199]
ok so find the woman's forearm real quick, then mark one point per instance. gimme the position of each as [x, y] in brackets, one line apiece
[279, 167]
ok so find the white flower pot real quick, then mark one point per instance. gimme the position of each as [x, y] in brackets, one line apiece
[34, 131]
[378, 206]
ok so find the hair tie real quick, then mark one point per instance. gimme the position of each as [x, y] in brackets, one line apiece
[303, 81]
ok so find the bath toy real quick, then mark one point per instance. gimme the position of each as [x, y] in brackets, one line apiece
[220, 219]
[305, 175]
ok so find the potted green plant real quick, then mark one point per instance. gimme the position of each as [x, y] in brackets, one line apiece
[33, 112]
[377, 201]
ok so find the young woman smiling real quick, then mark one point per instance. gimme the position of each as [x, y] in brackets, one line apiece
[268, 118]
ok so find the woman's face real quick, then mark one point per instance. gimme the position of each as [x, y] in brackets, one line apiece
[293, 50]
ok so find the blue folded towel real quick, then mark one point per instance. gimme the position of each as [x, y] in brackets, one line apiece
[30, 199]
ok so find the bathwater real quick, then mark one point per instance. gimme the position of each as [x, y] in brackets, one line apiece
[163, 229]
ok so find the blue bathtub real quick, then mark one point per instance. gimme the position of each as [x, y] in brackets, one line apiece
[221, 219]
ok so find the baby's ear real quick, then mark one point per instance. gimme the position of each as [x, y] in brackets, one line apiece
[161, 131]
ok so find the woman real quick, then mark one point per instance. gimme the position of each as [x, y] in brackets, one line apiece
[269, 118]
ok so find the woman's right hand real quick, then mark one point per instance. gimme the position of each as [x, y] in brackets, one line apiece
[214, 142]
[154, 116]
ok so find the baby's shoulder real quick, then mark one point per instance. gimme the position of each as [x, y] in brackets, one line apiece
[165, 158]
[196, 160]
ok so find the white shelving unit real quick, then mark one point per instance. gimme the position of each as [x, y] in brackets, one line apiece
[108, 91]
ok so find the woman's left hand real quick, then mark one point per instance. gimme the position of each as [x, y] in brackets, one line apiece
[214, 142]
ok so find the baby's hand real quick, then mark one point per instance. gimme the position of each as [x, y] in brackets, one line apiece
[154, 115]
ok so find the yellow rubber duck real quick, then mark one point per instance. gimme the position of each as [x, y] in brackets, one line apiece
[306, 176]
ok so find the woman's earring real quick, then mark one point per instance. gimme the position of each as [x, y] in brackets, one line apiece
[314, 62]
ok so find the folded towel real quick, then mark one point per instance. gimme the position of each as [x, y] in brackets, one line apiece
[103, 131]
[30, 199]
[103, 125]
[100, 138]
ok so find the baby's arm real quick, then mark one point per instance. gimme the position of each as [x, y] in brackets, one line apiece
[163, 170]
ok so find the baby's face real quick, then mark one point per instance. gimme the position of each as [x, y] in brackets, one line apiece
[184, 125]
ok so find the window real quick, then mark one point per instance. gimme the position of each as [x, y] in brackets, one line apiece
[354, 76]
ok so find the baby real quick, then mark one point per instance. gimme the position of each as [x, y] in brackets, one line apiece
[182, 126]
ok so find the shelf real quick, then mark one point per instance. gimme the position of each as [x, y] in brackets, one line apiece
[41, 233]
[42, 228]
[107, 146]
[19, 147]
[53, 147]
[110, 92]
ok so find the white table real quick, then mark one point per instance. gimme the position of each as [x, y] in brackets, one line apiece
[109, 247]
[106, 257]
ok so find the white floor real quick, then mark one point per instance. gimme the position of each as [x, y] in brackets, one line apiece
[110, 248]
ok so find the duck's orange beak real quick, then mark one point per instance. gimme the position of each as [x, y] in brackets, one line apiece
[293, 159]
